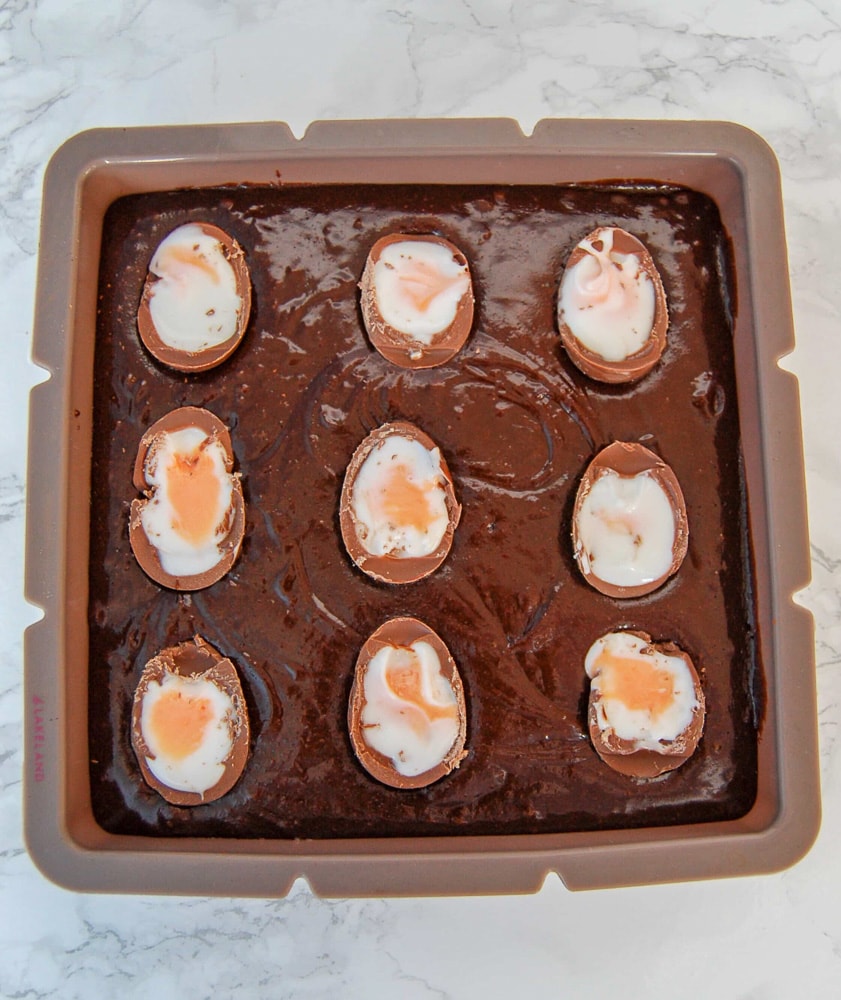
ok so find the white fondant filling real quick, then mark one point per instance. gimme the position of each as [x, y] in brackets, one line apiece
[399, 729]
[608, 301]
[194, 304]
[380, 531]
[626, 530]
[179, 556]
[410, 271]
[204, 767]
[646, 729]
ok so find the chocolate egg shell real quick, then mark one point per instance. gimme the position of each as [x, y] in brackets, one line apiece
[194, 659]
[642, 361]
[389, 568]
[397, 346]
[623, 756]
[403, 632]
[211, 356]
[143, 549]
[631, 459]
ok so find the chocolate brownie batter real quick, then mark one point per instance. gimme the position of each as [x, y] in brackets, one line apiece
[517, 424]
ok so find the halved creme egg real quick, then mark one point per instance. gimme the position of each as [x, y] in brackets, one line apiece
[406, 715]
[189, 724]
[417, 299]
[646, 704]
[612, 310]
[187, 531]
[196, 299]
[629, 525]
[398, 510]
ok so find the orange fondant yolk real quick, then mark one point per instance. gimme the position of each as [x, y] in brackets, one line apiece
[621, 523]
[193, 488]
[403, 676]
[600, 286]
[636, 682]
[179, 722]
[403, 502]
[422, 282]
[190, 257]
[610, 283]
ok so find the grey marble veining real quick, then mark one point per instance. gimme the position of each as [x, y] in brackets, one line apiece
[771, 65]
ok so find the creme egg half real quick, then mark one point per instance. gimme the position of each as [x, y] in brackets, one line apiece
[646, 704]
[406, 716]
[187, 531]
[196, 299]
[189, 723]
[398, 511]
[417, 299]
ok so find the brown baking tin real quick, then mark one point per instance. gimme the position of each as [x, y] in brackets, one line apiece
[80, 844]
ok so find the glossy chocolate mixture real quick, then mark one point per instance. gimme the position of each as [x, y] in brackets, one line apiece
[517, 424]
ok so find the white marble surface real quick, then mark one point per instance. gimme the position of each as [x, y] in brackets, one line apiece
[67, 65]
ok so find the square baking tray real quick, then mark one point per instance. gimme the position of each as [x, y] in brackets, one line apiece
[90, 172]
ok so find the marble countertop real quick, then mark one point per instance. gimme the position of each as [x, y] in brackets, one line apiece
[772, 66]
